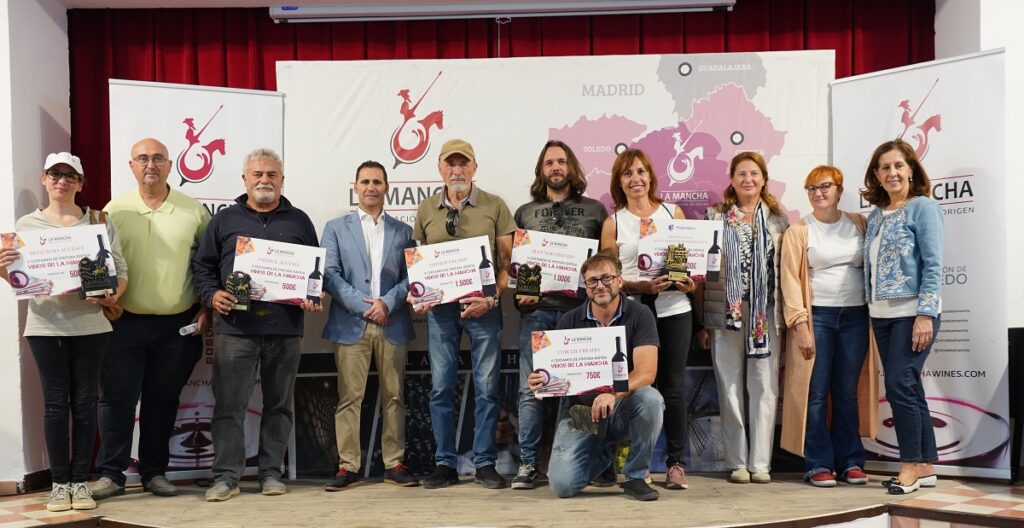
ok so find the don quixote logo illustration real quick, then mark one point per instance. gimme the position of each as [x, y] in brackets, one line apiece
[195, 163]
[411, 140]
[920, 132]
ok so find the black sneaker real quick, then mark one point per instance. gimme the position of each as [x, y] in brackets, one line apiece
[399, 476]
[639, 490]
[344, 479]
[526, 477]
[607, 478]
[442, 477]
[489, 478]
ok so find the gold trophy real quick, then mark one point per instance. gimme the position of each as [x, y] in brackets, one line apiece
[675, 263]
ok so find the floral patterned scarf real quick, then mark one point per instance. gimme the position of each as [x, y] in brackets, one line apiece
[757, 340]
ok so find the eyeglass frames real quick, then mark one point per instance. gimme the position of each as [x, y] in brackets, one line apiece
[144, 160]
[603, 279]
[71, 177]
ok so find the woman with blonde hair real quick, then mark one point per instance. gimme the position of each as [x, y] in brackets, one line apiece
[743, 318]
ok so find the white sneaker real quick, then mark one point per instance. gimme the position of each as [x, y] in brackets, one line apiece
[81, 497]
[60, 498]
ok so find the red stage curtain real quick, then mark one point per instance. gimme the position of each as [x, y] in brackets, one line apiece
[238, 48]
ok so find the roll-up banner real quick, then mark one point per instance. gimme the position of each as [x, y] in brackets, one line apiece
[208, 132]
[952, 112]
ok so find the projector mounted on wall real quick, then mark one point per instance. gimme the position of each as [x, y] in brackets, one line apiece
[455, 9]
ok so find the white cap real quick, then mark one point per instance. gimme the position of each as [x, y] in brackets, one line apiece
[67, 158]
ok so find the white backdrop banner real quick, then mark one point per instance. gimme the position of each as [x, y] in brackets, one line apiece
[208, 131]
[689, 113]
[953, 113]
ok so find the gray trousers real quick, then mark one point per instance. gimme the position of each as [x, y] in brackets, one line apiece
[235, 363]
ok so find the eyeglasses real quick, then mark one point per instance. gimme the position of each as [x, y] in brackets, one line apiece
[603, 279]
[144, 160]
[451, 222]
[559, 213]
[71, 177]
[823, 187]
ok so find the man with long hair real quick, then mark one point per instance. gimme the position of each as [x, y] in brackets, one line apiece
[558, 206]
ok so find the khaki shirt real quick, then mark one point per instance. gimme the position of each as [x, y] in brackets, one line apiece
[158, 246]
[482, 213]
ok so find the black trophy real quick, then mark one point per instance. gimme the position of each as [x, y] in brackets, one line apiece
[239, 284]
[675, 263]
[95, 275]
[528, 283]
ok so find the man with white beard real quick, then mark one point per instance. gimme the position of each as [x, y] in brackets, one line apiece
[267, 336]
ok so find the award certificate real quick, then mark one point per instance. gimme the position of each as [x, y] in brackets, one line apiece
[699, 236]
[50, 258]
[576, 362]
[449, 271]
[559, 257]
[280, 272]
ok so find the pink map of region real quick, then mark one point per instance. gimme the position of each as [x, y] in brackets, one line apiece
[594, 142]
[691, 159]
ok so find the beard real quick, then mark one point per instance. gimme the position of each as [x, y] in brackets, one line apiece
[557, 185]
[459, 187]
[263, 196]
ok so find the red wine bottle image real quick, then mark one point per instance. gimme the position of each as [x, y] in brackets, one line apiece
[104, 257]
[582, 291]
[620, 368]
[315, 283]
[487, 274]
[714, 260]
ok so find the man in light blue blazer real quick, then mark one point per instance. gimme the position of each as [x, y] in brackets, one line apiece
[369, 317]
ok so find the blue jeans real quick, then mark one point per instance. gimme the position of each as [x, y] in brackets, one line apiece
[904, 388]
[840, 343]
[444, 330]
[577, 457]
[531, 410]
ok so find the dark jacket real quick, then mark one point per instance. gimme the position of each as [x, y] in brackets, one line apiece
[215, 260]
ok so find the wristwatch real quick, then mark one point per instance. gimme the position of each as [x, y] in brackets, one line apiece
[497, 302]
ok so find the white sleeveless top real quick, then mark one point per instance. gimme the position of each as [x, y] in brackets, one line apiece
[627, 236]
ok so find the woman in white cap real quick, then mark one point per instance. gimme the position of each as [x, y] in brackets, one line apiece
[68, 337]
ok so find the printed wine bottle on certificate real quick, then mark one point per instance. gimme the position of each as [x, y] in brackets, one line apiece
[581, 292]
[487, 274]
[714, 260]
[313, 285]
[620, 368]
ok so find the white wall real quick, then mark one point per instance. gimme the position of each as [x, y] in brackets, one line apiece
[957, 27]
[35, 119]
[969, 26]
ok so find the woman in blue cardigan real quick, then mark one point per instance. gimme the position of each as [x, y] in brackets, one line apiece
[903, 272]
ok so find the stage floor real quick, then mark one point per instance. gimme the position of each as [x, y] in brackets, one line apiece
[710, 501]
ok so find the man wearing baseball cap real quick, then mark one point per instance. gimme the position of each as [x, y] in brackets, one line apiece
[463, 210]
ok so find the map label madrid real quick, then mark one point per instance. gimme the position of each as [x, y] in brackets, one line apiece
[613, 90]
